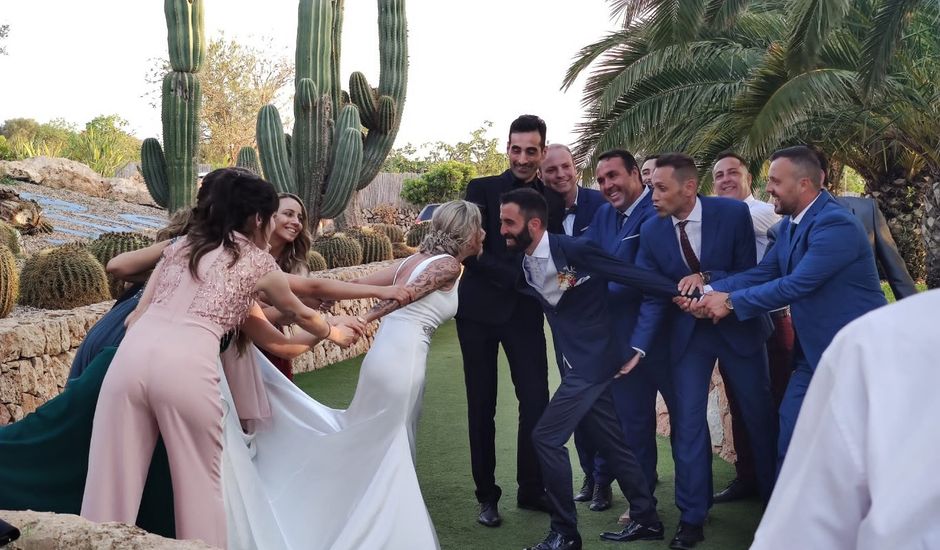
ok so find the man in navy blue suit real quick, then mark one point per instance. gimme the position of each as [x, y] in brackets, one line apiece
[560, 174]
[569, 278]
[616, 229]
[700, 240]
[821, 264]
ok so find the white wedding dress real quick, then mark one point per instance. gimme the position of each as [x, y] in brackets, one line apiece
[310, 477]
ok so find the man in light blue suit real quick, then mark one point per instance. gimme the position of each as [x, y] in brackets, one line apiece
[822, 265]
[616, 229]
[700, 240]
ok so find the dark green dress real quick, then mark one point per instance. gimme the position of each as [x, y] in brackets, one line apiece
[44, 456]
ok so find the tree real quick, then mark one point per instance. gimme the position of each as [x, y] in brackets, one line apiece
[479, 151]
[104, 145]
[444, 181]
[237, 80]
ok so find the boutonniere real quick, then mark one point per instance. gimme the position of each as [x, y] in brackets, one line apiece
[567, 277]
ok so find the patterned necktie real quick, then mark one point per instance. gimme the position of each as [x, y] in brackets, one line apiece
[536, 273]
[687, 251]
[621, 219]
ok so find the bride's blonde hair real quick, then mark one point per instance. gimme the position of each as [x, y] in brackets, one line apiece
[453, 226]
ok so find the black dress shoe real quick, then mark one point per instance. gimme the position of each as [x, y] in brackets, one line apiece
[587, 490]
[602, 497]
[636, 531]
[687, 535]
[557, 541]
[489, 515]
[736, 490]
[538, 504]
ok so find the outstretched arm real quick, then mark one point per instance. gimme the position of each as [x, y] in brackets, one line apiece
[613, 269]
[437, 275]
[135, 266]
[266, 336]
[341, 290]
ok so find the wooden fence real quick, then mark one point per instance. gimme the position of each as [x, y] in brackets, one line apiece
[386, 189]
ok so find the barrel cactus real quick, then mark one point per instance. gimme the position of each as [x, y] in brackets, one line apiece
[393, 232]
[417, 233]
[248, 158]
[109, 245]
[63, 278]
[402, 250]
[339, 250]
[328, 158]
[376, 247]
[315, 261]
[10, 237]
[170, 172]
[9, 281]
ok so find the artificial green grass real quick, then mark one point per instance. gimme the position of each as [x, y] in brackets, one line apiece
[443, 455]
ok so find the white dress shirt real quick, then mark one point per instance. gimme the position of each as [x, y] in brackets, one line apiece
[693, 230]
[866, 446]
[541, 272]
[763, 217]
[568, 222]
[799, 217]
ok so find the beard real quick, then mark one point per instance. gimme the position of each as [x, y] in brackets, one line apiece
[520, 241]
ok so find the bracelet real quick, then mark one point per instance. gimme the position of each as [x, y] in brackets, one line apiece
[329, 330]
[361, 319]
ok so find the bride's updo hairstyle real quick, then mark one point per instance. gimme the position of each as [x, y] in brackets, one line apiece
[453, 226]
[235, 196]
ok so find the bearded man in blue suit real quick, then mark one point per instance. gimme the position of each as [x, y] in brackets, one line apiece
[616, 229]
[700, 240]
[822, 265]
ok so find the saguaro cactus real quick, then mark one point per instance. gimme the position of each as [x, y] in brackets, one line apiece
[170, 172]
[327, 158]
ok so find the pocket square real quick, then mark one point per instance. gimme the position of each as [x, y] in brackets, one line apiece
[565, 361]
[630, 237]
[582, 280]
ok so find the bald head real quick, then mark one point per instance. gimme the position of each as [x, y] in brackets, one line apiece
[560, 173]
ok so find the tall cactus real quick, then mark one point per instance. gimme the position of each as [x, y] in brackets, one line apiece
[327, 158]
[170, 172]
[248, 158]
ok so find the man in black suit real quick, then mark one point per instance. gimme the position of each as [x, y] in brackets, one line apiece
[492, 313]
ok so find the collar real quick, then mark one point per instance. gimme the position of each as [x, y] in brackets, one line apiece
[632, 207]
[576, 195]
[542, 250]
[799, 217]
[750, 199]
[694, 216]
[535, 183]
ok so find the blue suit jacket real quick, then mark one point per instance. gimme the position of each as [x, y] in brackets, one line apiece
[624, 243]
[589, 201]
[728, 247]
[581, 321]
[825, 272]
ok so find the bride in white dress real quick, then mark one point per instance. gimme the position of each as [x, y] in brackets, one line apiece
[311, 477]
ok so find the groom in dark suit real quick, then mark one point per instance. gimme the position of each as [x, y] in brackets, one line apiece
[569, 278]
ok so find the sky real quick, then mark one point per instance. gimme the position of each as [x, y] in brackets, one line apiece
[469, 61]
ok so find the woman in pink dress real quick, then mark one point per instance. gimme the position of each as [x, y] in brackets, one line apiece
[164, 378]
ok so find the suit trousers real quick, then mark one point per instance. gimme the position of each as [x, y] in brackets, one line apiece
[747, 377]
[780, 361]
[589, 404]
[587, 451]
[793, 401]
[523, 341]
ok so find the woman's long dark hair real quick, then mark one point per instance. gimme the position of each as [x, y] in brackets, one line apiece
[232, 197]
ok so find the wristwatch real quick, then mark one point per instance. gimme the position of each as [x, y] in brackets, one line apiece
[706, 277]
[728, 303]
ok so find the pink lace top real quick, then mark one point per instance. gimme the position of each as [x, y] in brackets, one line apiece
[223, 294]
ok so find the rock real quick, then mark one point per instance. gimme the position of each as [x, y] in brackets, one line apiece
[48, 531]
[131, 189]
[58, 173]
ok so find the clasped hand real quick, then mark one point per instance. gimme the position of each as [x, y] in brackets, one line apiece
[710, 306]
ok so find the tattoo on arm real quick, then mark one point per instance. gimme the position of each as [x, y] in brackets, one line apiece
[435, 276]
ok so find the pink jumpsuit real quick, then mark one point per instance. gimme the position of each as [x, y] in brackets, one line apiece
[165, 379]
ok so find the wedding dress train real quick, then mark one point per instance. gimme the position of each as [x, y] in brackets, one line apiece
[312, 477]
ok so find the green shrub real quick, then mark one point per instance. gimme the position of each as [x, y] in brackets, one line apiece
[442, 182]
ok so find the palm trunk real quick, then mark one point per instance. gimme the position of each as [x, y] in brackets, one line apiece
[902, 202]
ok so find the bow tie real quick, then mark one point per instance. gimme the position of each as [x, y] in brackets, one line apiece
[572, 210]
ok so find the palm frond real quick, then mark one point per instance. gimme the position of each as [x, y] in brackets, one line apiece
[882, 40]
[812, 22]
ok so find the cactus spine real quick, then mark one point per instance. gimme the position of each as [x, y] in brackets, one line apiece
[376, 247]
[327, 159]
[248, 159]
[417, 233]
[109, 245]
[315, 261]
[170, 173]
[9, 281]
[63, 278]
[10, 236]
[339, 250]
[393, 232]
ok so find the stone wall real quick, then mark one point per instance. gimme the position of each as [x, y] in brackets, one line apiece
[36, 349]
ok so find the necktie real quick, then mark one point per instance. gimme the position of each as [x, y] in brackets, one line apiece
[536, 274]
[621, 219]
[687, 251]
[792, 231]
